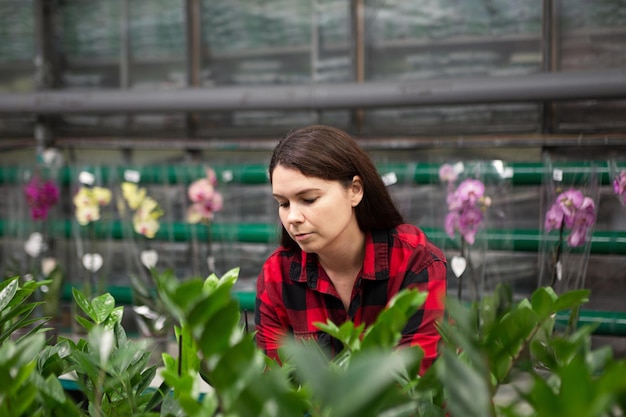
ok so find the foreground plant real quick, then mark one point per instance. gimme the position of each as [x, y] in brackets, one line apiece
[489, 345]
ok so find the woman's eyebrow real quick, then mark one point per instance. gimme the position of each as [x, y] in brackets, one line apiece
[306, 190]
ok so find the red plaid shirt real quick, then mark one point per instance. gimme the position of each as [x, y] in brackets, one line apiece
[293, 291]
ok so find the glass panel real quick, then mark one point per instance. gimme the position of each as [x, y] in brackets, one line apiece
[17, 46]
[274, 42]
[90, 34]
[593, 37]
[419, 40]
[158, 44]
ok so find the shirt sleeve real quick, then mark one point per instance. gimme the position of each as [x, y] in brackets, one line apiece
[427, 334]
[421, 328]
[269, 316]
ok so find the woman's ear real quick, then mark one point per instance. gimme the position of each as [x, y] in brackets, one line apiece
[356, 191]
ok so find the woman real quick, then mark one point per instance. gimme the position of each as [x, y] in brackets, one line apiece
[345, 249]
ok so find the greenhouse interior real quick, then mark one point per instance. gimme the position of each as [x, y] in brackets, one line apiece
[141, 99]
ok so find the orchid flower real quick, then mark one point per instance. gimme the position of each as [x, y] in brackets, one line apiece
[133, 194]
[572, 209]
[147, 209]
[466, 205]
[40, 197]
[206, 200]
[447, 173]
[619, 186]
[88, 201]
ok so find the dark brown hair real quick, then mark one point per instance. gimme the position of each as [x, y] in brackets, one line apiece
[333, 155]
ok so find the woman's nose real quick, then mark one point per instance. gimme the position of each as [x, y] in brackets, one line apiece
[295, 215]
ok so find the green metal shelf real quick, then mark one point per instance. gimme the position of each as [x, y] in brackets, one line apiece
[519, 173]
[518, 240]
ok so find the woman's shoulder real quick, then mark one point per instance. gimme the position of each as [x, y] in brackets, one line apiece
[415, 237]
[409, 233]
[283, 256]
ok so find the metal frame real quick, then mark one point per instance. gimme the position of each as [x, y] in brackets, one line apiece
[609, 84]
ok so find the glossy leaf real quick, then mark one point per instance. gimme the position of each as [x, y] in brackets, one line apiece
[84, 304]
[102, 307]
[7, 292]
[468, 393]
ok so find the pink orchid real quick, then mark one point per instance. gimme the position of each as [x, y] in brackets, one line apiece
[619, 186]
[447, 173]
[471, 190]
[205, 198]
[575, 211]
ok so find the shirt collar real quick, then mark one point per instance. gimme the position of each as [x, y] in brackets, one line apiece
[375, 264]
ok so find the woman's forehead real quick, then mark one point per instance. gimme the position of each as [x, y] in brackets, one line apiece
[290, 181]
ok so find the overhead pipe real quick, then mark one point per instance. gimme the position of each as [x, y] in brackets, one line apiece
[608, 84]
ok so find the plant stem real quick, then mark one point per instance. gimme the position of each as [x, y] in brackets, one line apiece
[210, 260]
[460, 280]
[558, 251]
[180, 353]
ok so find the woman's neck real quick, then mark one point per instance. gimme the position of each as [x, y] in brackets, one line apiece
[346, 257]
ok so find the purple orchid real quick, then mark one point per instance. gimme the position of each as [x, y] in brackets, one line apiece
[572, 209]
[40, 197]
[619, 186]
[466, 205]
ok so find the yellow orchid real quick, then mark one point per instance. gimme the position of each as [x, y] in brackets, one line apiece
[147, 209]
[87, 214]
[147, 226]
[88, 202]
[101, 195]
[133, 194]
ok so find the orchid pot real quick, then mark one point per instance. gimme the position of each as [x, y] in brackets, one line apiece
[467, 203]
[570, 210]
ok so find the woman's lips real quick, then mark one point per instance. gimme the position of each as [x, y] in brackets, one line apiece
[301, 236]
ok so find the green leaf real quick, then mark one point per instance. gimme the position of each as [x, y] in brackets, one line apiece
[234, 370]
[386, 330]
[102, 307]
[571, 299]
[543, 301]
[84, 304]
[468, 394]
[215, 337]
[191, 361]
[9, 288]
[347, 333]
[30, 347]
[88, 325]
[206, 307]
[576, 387]
[114, 319]
[51, 387]
[50, 361]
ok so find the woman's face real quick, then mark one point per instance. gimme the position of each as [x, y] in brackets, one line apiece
[317, 214]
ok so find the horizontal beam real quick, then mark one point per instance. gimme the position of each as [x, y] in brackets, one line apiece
[518, 240]
[606, 84]
[518, 173]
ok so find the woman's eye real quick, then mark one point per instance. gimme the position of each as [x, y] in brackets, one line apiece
[283, 204]
[309, 200]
